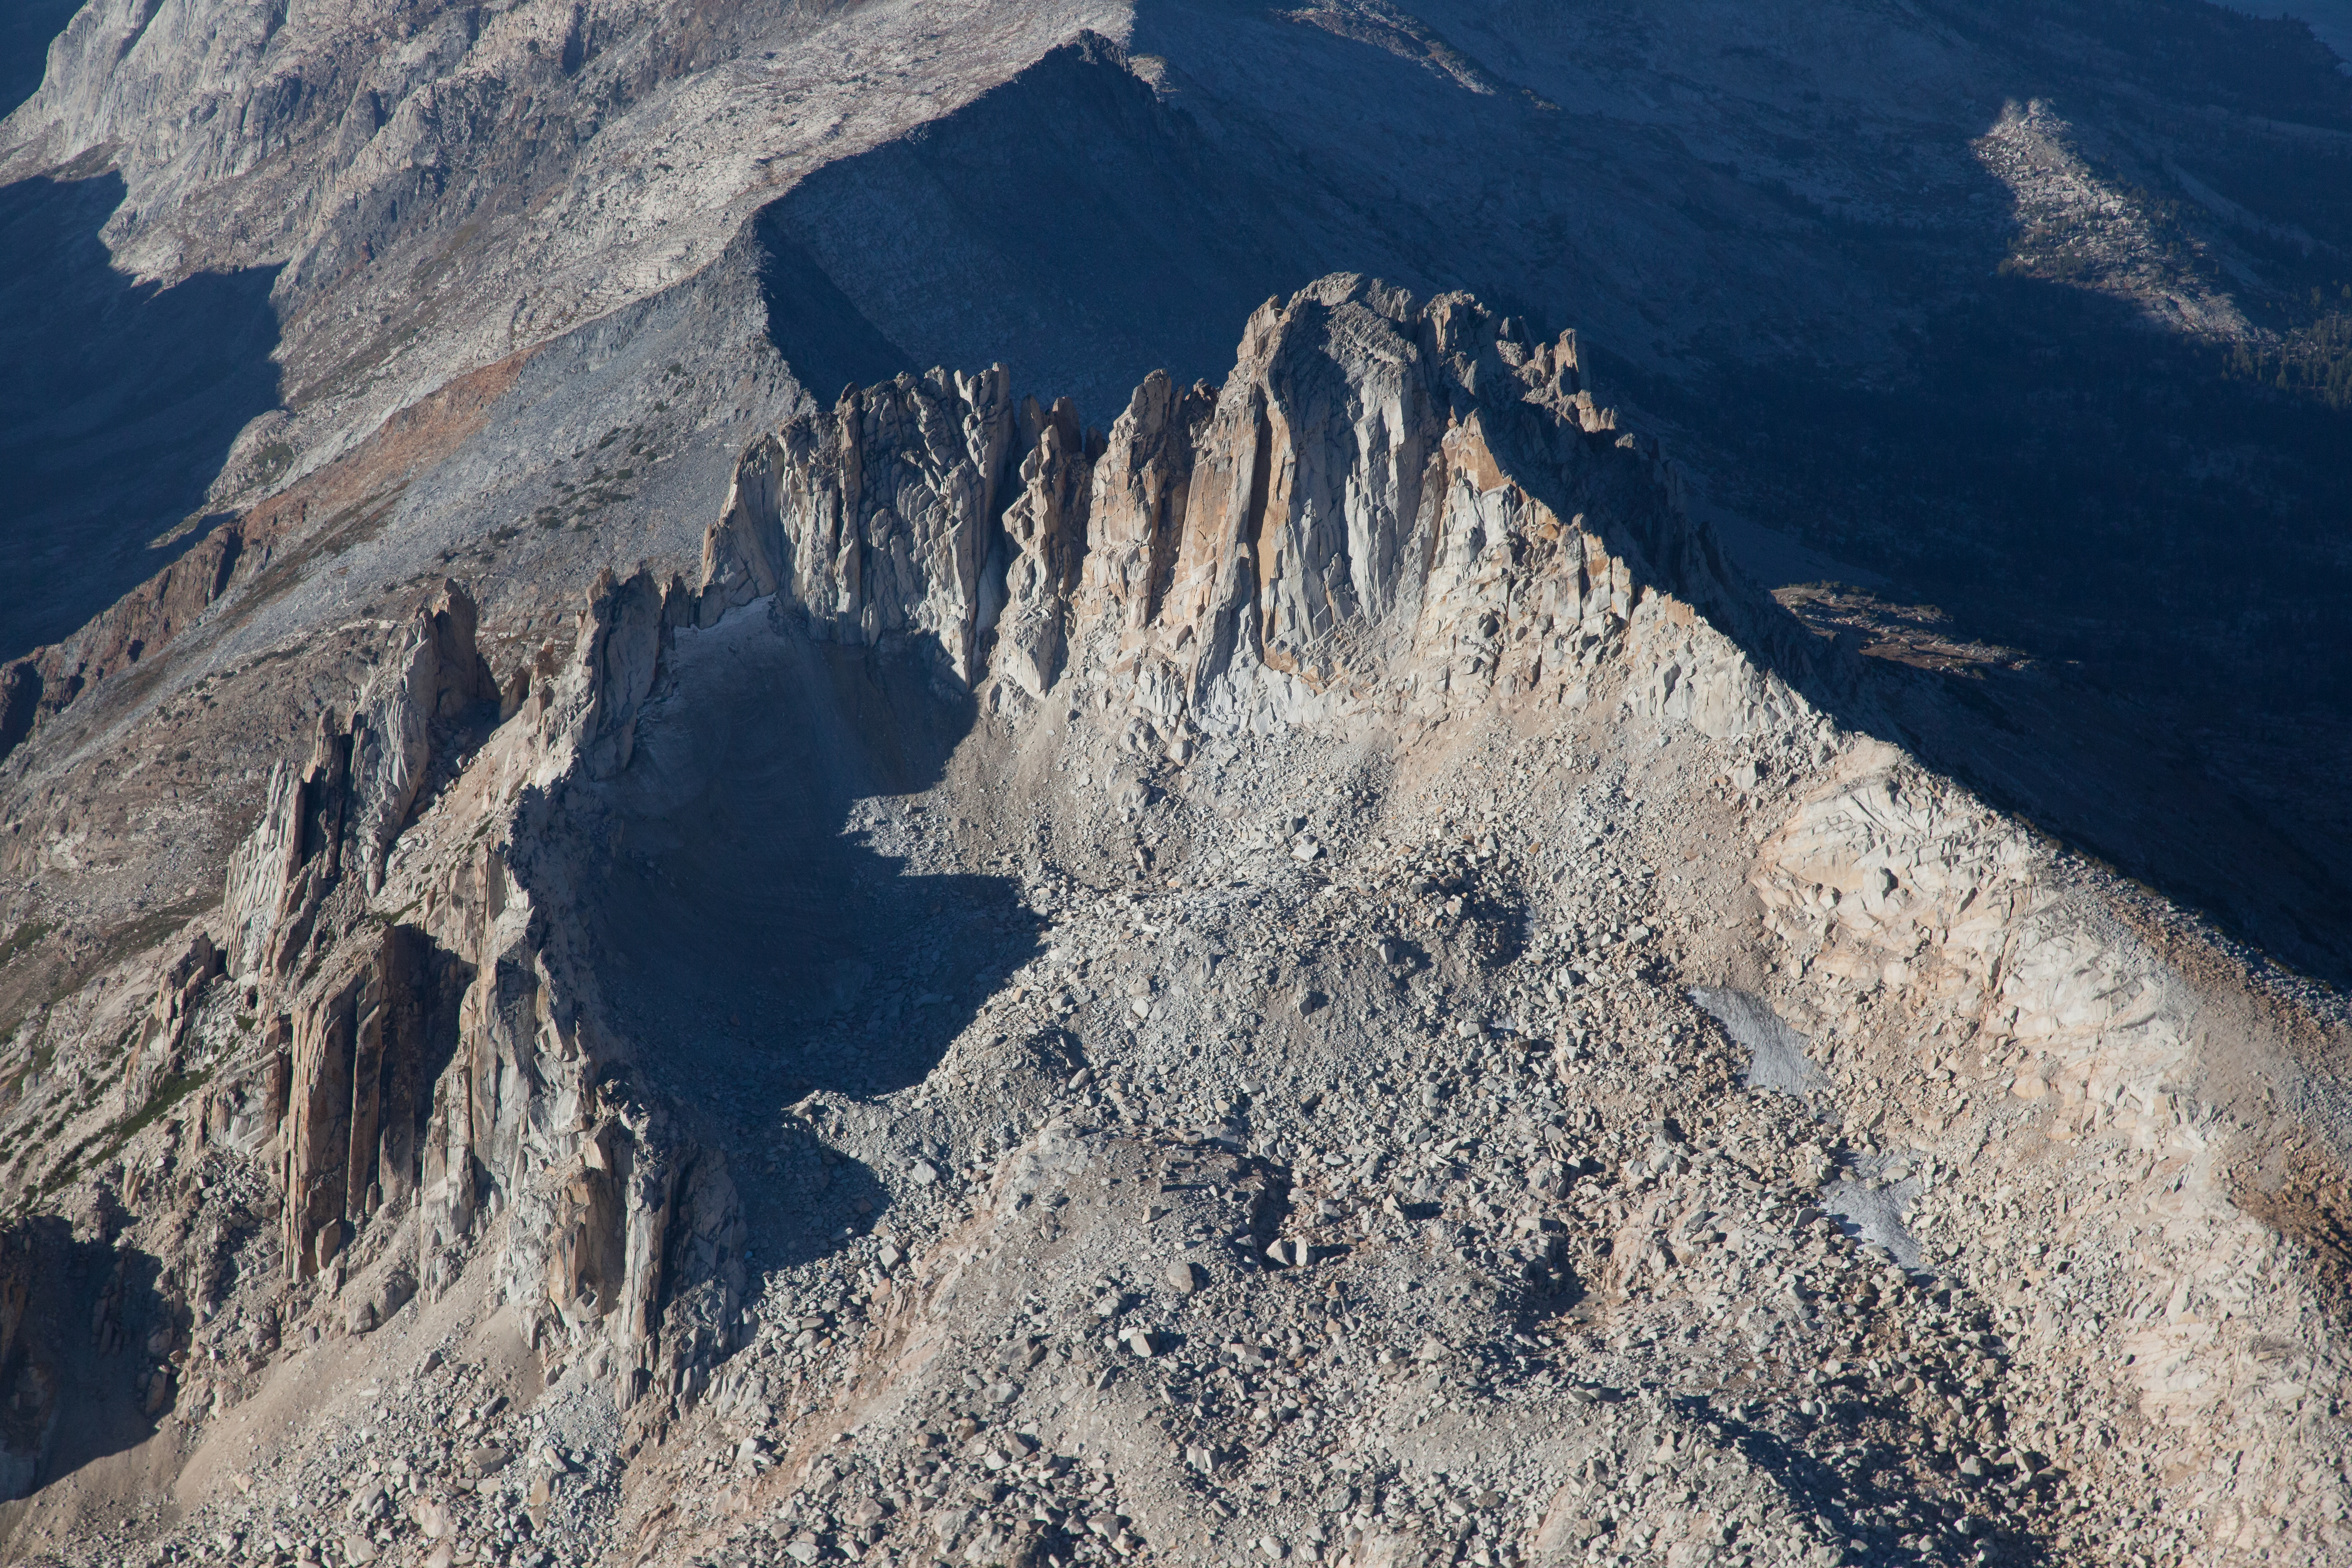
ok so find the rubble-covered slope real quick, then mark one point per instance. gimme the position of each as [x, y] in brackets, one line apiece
[1311, 976]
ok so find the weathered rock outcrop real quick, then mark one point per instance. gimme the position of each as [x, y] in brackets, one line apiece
[43, 683]
[282, 871]
[625, 1246]
[586, 714]
[434, 677]
[364, 1056]
[457, 1069]
[155, 1051]
[872, 517]
[2097, 1049]
[1043, 546]
[350, 802]
[1389, 506]
[513, 1073]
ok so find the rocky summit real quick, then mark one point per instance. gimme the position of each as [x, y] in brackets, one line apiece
[666, 935]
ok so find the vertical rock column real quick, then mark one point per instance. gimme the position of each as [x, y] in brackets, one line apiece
[282, 873]
[1045, 535]
[356, 1080]
[318, 1130]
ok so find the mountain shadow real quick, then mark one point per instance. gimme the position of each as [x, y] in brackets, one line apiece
[1067, 223]
[123, 400]
[26, 28]
[2154, 545]
[757, 943]
[820, 333]
[83, 1337]
[2159, 532]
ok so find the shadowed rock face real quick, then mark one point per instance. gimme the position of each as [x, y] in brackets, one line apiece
[1088, 211]
[1071, 224]
[360, 1068]
[76, 1313]
[752, 930]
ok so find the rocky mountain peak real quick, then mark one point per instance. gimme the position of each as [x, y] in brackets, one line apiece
[1268, 930]
[1156, 964]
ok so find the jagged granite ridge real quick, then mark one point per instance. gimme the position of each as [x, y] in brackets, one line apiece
[1399, 560]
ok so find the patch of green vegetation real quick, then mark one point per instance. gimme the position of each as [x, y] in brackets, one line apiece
[23, 939]
[65, 1170]
[168, 1093]
[150, 929]
[2314, 363]
[389, 918]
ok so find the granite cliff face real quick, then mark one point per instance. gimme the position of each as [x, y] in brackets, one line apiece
[1330, 534]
